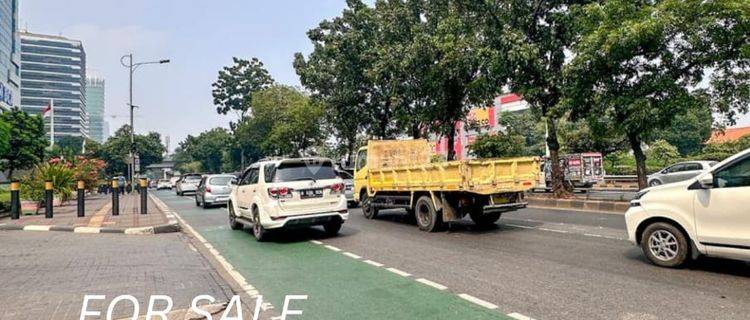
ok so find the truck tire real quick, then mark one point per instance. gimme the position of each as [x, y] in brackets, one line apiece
[428, 219]
[665, 245]
[233, 224]
[484, 220]
[367, 208]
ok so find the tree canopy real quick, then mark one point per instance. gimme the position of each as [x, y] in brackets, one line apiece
[284, 121]
[642, 63]
[26, 142]
[116, 150]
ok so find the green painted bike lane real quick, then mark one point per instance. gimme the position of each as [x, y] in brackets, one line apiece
[337, 286]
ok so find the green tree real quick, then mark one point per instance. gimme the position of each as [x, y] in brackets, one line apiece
[663, 152]
[115, 151]
[688, 131]
[531, 38]
[336, 73]
[234, 88]
[499, 145]
[27, 141]
[4, 137]
[524, 124]
[284, 122]
[207, 149]
[592, 135]
[642, 63]
[452, 65]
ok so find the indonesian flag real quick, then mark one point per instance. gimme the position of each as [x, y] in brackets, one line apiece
[46, 111]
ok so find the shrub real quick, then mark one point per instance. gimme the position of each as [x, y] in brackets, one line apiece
[62, 176]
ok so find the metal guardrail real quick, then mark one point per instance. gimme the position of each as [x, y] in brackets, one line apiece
[623, 178]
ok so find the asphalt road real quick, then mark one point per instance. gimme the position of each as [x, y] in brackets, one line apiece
[544, 264]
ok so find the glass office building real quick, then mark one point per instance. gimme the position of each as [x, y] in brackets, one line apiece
[54, 68]
[95, 108]
[10, 58]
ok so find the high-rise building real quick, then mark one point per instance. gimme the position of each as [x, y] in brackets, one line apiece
[54, 68]
[95, 107]
[10, 55]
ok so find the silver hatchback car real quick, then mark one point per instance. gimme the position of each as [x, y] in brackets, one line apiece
[679, 172]
[213, 189]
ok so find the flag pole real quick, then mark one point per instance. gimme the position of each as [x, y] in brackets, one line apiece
[52, 123]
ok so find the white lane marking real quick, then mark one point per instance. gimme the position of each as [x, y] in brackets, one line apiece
[351, 255]
[563, 231]
[477, 301]
[519, 316]
[228, 267]
[36, 228]
[398, 272]
[332, 248]
[432, 284]
[373, 263]
[316, 242]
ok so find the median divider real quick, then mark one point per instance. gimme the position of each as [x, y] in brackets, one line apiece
[615, 207]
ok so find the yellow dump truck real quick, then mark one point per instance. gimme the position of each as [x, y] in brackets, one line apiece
[392, 174]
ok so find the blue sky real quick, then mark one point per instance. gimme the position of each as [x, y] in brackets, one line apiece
[198, 36]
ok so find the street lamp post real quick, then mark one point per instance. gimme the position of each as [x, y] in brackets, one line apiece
[131, 69]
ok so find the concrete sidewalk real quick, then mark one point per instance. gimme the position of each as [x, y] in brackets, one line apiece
[46, 275]
[98, 217]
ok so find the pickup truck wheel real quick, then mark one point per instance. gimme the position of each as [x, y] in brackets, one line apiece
[367, 208]
[665, 245]
[332, 228]
[428, 219]
[484, 220]
[259, 232]
[233, 224]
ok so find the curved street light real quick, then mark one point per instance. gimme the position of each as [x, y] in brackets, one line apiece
[131, 68]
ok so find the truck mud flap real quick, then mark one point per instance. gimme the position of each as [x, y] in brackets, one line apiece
[449, 209]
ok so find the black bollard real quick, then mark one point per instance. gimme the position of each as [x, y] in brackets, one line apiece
[115, 198]
[48, 199]
[15, 200]
[81, 201]
[144, 200]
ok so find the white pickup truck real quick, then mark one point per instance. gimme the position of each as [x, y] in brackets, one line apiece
[281, 193]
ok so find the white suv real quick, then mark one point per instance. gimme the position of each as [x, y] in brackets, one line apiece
[707, 215]
[280, 193]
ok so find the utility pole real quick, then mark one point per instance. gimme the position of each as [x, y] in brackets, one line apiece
[131, 69]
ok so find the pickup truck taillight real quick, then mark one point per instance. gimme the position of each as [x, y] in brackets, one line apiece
[280, 192]
[337, 188]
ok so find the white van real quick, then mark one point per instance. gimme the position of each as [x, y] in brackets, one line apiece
[706, 215]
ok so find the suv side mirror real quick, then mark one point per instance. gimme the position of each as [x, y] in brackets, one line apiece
[706, 181]
[233, 182]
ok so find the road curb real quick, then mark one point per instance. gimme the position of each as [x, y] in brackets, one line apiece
[172, 225]
[163, 228]
[618, 207]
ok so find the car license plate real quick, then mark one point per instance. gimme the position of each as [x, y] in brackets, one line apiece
[311, 193]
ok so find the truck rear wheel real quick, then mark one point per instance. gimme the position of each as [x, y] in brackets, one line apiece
[368, 210]
[484, 220]
[428, 219]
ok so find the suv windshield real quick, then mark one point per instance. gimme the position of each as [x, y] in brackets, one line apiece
[304, 170]
[193, 178]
